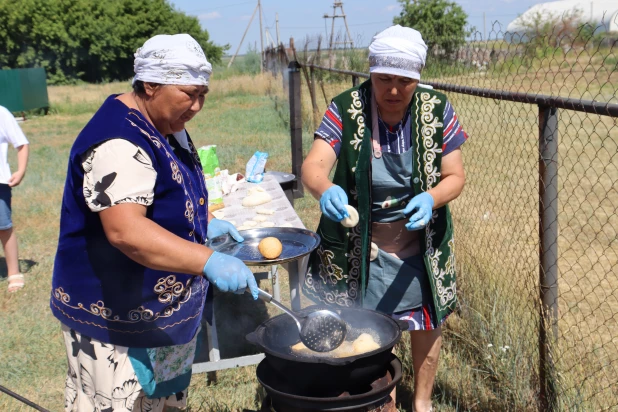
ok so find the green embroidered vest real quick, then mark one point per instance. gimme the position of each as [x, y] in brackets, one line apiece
[339, 267]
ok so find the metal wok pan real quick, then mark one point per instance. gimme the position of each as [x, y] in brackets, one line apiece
[276, 336]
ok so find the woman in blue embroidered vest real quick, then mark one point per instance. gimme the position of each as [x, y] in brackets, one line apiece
[131, 276]
[397, 149]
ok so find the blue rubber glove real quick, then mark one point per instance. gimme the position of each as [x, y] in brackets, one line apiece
[230, 274]
[420, 207]
[333, 203]
[218, 227]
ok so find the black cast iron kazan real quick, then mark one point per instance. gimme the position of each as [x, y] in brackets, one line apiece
[320, 371]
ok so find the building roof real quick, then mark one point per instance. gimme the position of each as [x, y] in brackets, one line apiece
[597, 12]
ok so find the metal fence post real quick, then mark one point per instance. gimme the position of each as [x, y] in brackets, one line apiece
[296, 126]
[314, 98]
[548, 251]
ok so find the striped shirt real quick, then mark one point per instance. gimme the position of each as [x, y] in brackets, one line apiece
[393, 139]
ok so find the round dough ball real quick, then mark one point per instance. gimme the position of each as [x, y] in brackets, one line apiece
[351, 220]
[260, 218]
[265, 211]
[364, 343]
[270, 247]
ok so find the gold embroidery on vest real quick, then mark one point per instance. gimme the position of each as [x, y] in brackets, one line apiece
[329, 272]
[354, 272]
[167, 290]
[189, 211]
[176, 175]
[356, 110]
[429, 127]
[428, 130]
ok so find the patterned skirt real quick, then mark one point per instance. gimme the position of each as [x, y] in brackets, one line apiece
[101, 379]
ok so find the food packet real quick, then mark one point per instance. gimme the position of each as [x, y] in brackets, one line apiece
[254, 172]
[212, 173]
[209, 160]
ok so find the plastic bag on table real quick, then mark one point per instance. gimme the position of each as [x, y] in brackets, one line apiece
[212, 174]
[255, 167]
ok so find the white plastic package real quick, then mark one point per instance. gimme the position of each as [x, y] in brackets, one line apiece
[255, 167]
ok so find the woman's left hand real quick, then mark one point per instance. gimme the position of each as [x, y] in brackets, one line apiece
[421, 205]
[218, 227]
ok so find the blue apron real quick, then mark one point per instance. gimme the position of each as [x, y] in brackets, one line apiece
[397, 276]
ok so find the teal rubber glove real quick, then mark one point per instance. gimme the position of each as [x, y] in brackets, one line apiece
[420, 207]
[218, 227]
[333, 203]
[230, 274]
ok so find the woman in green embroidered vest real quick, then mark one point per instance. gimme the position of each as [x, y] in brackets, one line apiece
[397, 149]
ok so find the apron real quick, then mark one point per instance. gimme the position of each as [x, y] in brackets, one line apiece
[397, 276]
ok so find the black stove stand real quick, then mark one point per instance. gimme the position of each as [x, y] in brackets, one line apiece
[375, 397]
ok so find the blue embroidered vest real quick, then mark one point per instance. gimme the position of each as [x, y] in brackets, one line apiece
[99, 291]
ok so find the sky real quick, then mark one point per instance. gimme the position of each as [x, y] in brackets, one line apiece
[227, 20]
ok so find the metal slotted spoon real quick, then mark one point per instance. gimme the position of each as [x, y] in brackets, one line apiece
[321, 331]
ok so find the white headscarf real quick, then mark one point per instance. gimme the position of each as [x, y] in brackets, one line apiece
[399, 51]
[172, 59]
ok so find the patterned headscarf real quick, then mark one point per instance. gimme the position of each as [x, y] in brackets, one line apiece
[172, 59]
[398, 50]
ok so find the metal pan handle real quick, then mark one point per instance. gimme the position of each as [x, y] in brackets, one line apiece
[263, 295]
[253, 338]
[403, 324]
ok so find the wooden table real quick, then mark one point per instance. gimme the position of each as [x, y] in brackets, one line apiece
[284, 216]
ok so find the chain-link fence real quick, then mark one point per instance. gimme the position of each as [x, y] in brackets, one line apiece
[536, 225]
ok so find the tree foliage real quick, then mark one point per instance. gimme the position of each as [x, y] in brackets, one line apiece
[89, 40]
[442, 23]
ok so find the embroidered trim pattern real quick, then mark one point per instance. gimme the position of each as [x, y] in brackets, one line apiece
[130, 332]
[428, 130]
[354, 269]
[176, 175]
[445, 294]
[168, 291]
[189, 211]
[329, 274]
[429, 126]
[396, 63]
[356, 111]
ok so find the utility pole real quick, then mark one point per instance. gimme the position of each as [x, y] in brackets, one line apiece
[332, 43]
[261, 40]
[484, 28]
[270, 42]
[243, 36]
[277, 25]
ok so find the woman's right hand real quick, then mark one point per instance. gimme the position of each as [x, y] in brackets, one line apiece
[230, 274]
[333, 203]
